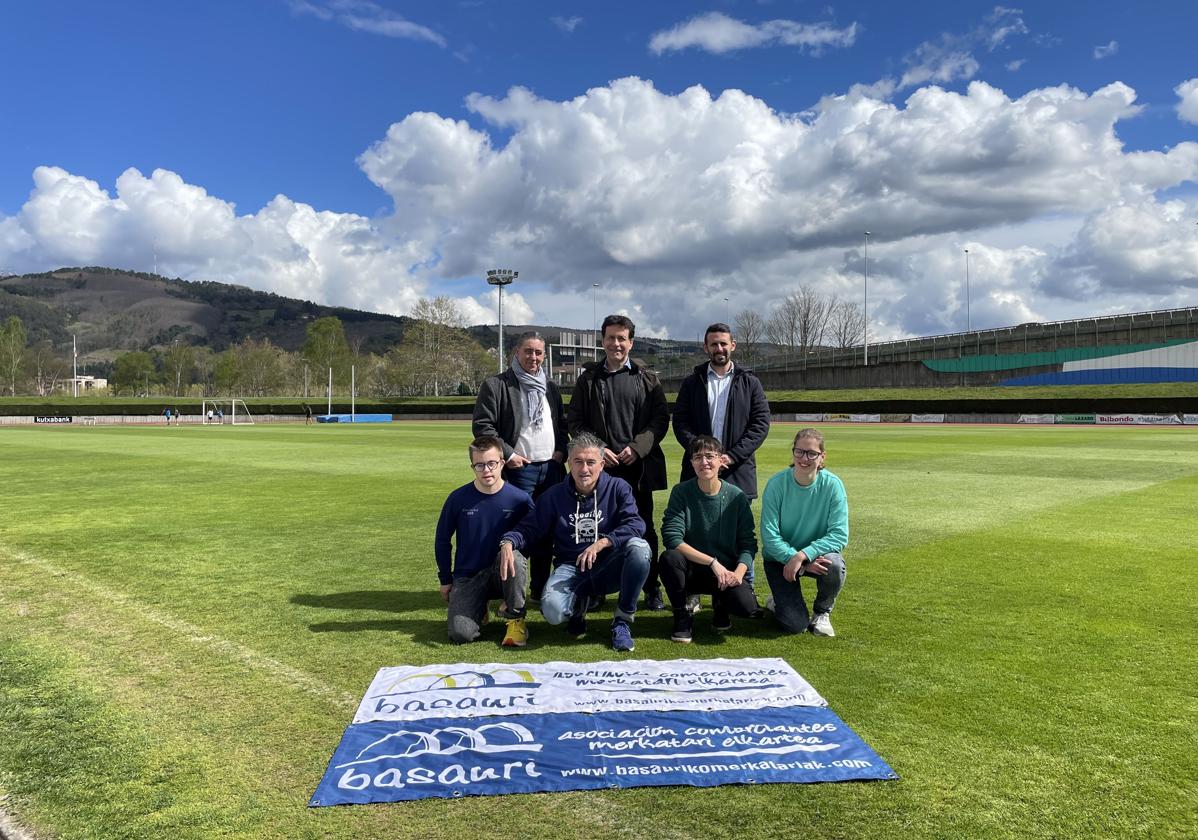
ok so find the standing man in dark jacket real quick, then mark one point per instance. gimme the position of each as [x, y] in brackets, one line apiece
[523, 408]
[727, 402]
[621, 402]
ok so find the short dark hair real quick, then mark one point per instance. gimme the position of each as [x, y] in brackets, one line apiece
[529, 336]
[718, 326]
[618, 321]
[584, 440]
[484, 442]
[704, 443]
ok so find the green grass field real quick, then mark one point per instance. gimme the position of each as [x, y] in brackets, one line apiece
[188, 617]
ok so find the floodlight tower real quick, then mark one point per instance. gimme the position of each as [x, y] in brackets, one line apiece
[501, 277]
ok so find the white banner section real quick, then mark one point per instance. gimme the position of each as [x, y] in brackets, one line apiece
[927, 418]
[1038, 419]
[1190, 419]
[809, 418]
[1137, 419]
[452, 691]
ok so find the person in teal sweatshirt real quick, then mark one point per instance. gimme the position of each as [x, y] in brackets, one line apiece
[710, 543]
[804, 529]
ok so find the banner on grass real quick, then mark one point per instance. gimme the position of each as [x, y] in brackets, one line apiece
[469, 690]
[1037, 418]
[643, 723]
[388, 761]
[927, 418]
[809, 418]
[1189, 419]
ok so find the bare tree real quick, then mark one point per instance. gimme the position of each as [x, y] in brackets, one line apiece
[846, 325]
[12, 350]
[782, 328]
[48, 367]
[750, 333]
[811, 310]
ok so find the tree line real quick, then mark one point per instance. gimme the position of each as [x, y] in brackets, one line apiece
[436, 357]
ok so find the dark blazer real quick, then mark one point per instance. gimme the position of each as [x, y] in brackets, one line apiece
[746, 423]
[499, 411]
[651, 419]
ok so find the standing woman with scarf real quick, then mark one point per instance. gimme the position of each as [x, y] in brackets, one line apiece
[523, 408]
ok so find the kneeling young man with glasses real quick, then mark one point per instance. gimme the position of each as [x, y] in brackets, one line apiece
[479, 513]
[710, 543]
[804, 529]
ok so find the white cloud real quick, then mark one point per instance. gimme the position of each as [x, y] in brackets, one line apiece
[566, 24]
[1187, 108]
[718, 33]
[1106, 50]
[367, 16]
[1013, 66]
[673, 202]
[286, 247]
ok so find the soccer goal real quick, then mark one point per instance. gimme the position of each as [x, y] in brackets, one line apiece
[218, 412]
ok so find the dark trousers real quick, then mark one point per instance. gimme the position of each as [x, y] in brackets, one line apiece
[644, 506]
[534, 479]
[680, 577]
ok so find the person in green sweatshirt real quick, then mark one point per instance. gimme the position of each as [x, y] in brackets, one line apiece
[804, 529]
[710, 542]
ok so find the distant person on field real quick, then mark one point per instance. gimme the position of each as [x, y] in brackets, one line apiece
[804, 529]
[166, 412]
[307, 415]
[621, 402]
[523, 408]
[592, 520]
[478, 513]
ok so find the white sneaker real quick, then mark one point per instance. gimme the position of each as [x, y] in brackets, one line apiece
[769, 603]
[821, 625]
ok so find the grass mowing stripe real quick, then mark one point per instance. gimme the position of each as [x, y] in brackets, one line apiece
[191, 633]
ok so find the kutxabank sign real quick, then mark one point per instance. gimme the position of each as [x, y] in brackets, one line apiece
[465, 690]
[735, 737]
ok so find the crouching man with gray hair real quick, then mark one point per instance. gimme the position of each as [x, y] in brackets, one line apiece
[597, 532]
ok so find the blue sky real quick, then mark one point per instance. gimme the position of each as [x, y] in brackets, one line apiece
[369, 153]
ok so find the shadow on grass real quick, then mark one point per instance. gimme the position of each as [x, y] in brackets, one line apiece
[384, 600]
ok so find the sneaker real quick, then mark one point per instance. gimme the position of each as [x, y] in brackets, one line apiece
[684, 623]
[653, 599]
[517, 633]
[596, 602]
[577, 626]
[621, 636]
[693, 603]
[721, 622]
[821, 625]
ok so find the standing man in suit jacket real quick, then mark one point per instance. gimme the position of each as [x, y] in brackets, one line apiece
[621, 402]
[523, 408]
[727, 402]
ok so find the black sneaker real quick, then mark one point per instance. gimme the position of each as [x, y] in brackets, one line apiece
[577, 626]
[621, 636]
[684, 623]
[653, 599]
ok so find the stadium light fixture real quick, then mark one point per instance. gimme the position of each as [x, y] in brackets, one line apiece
[501, 277]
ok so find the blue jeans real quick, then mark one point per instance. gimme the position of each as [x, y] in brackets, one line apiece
[789, 607]
[534, 479]
[622, 571]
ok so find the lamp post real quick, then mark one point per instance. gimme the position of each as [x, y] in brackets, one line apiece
[727, 312]
[501, 277]
[866, 308]
[594, 316]
[967, 322]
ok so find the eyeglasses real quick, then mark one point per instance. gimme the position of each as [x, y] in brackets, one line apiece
[706, 457]
[806, 454]
[486, 466]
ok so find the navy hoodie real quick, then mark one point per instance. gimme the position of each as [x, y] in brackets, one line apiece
[576, 521]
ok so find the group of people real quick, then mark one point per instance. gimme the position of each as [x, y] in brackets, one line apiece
[560, 511]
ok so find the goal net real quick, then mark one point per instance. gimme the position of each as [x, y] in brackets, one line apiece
[219, 412]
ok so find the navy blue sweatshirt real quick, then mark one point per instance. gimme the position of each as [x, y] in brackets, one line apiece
[478, 519]
[576, 521]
